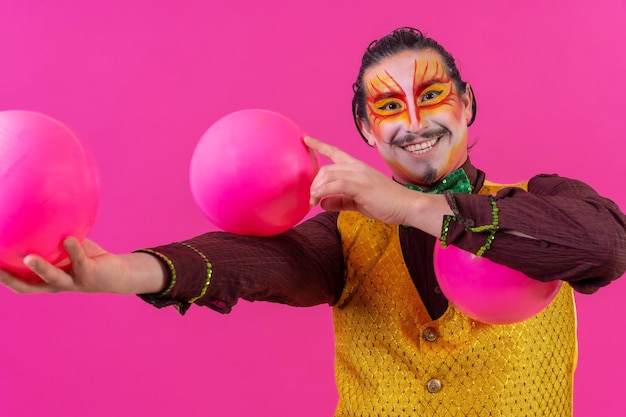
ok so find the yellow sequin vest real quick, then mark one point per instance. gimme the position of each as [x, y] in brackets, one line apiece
[393, 360]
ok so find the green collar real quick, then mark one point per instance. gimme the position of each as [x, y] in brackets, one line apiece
[456, 182]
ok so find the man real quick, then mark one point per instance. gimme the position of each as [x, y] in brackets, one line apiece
[401, 348]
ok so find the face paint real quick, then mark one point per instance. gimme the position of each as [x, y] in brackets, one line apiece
[416, 118]
[431, 89]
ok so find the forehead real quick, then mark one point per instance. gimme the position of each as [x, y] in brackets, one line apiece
[418, 65]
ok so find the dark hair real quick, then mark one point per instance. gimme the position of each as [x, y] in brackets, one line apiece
[402, 39]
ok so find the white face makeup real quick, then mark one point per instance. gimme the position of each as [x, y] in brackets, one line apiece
[416, 118]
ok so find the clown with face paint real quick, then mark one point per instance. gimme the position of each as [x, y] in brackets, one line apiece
[414, 112]
[401, 347]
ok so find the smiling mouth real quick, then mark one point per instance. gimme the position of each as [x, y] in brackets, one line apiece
[423, 147]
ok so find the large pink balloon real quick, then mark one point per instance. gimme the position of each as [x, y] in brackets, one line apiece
[490, 292]
[251, 173]
[49, 188]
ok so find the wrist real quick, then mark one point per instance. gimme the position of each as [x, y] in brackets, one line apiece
[426, 212]
[146, 273]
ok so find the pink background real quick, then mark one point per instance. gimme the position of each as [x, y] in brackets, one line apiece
[140, 81]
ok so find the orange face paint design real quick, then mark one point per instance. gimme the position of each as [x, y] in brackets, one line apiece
[430, 90]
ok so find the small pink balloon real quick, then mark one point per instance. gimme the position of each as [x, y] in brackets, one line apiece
[49, 189]
[251, 173]
[489, 292]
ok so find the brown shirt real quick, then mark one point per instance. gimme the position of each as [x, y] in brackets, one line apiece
[579, 237]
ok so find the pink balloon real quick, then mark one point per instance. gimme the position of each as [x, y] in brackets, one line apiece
[251, 173]
[49, 189]
[490, 292]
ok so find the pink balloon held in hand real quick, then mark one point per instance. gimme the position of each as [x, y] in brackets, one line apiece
[251, 173]
[489, 292]
[49, 189]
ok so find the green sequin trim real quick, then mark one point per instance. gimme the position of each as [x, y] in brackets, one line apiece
[493, 227]
[209, 272]
[170, 266]
[445, 227]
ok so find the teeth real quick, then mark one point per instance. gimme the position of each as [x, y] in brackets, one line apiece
[423, 147]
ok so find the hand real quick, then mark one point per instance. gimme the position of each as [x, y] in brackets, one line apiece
[350, 184]
[91, 269]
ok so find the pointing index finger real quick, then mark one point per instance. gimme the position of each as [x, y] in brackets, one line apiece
[333, 153]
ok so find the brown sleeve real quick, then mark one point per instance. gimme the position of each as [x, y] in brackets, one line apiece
[302, 267]
[580, 237]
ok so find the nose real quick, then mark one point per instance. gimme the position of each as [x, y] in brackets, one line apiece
[416, 121]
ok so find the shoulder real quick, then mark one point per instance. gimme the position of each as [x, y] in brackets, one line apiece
[543, 184]
[551, 184]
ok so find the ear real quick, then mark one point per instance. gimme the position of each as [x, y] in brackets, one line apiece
[366, 132]
[468, 103]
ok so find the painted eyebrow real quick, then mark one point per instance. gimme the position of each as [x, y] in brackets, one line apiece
[388, 94]
[428, 83]
[393, 89]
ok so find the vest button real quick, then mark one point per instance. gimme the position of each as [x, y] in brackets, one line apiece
[434, 386]
[430, 334]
